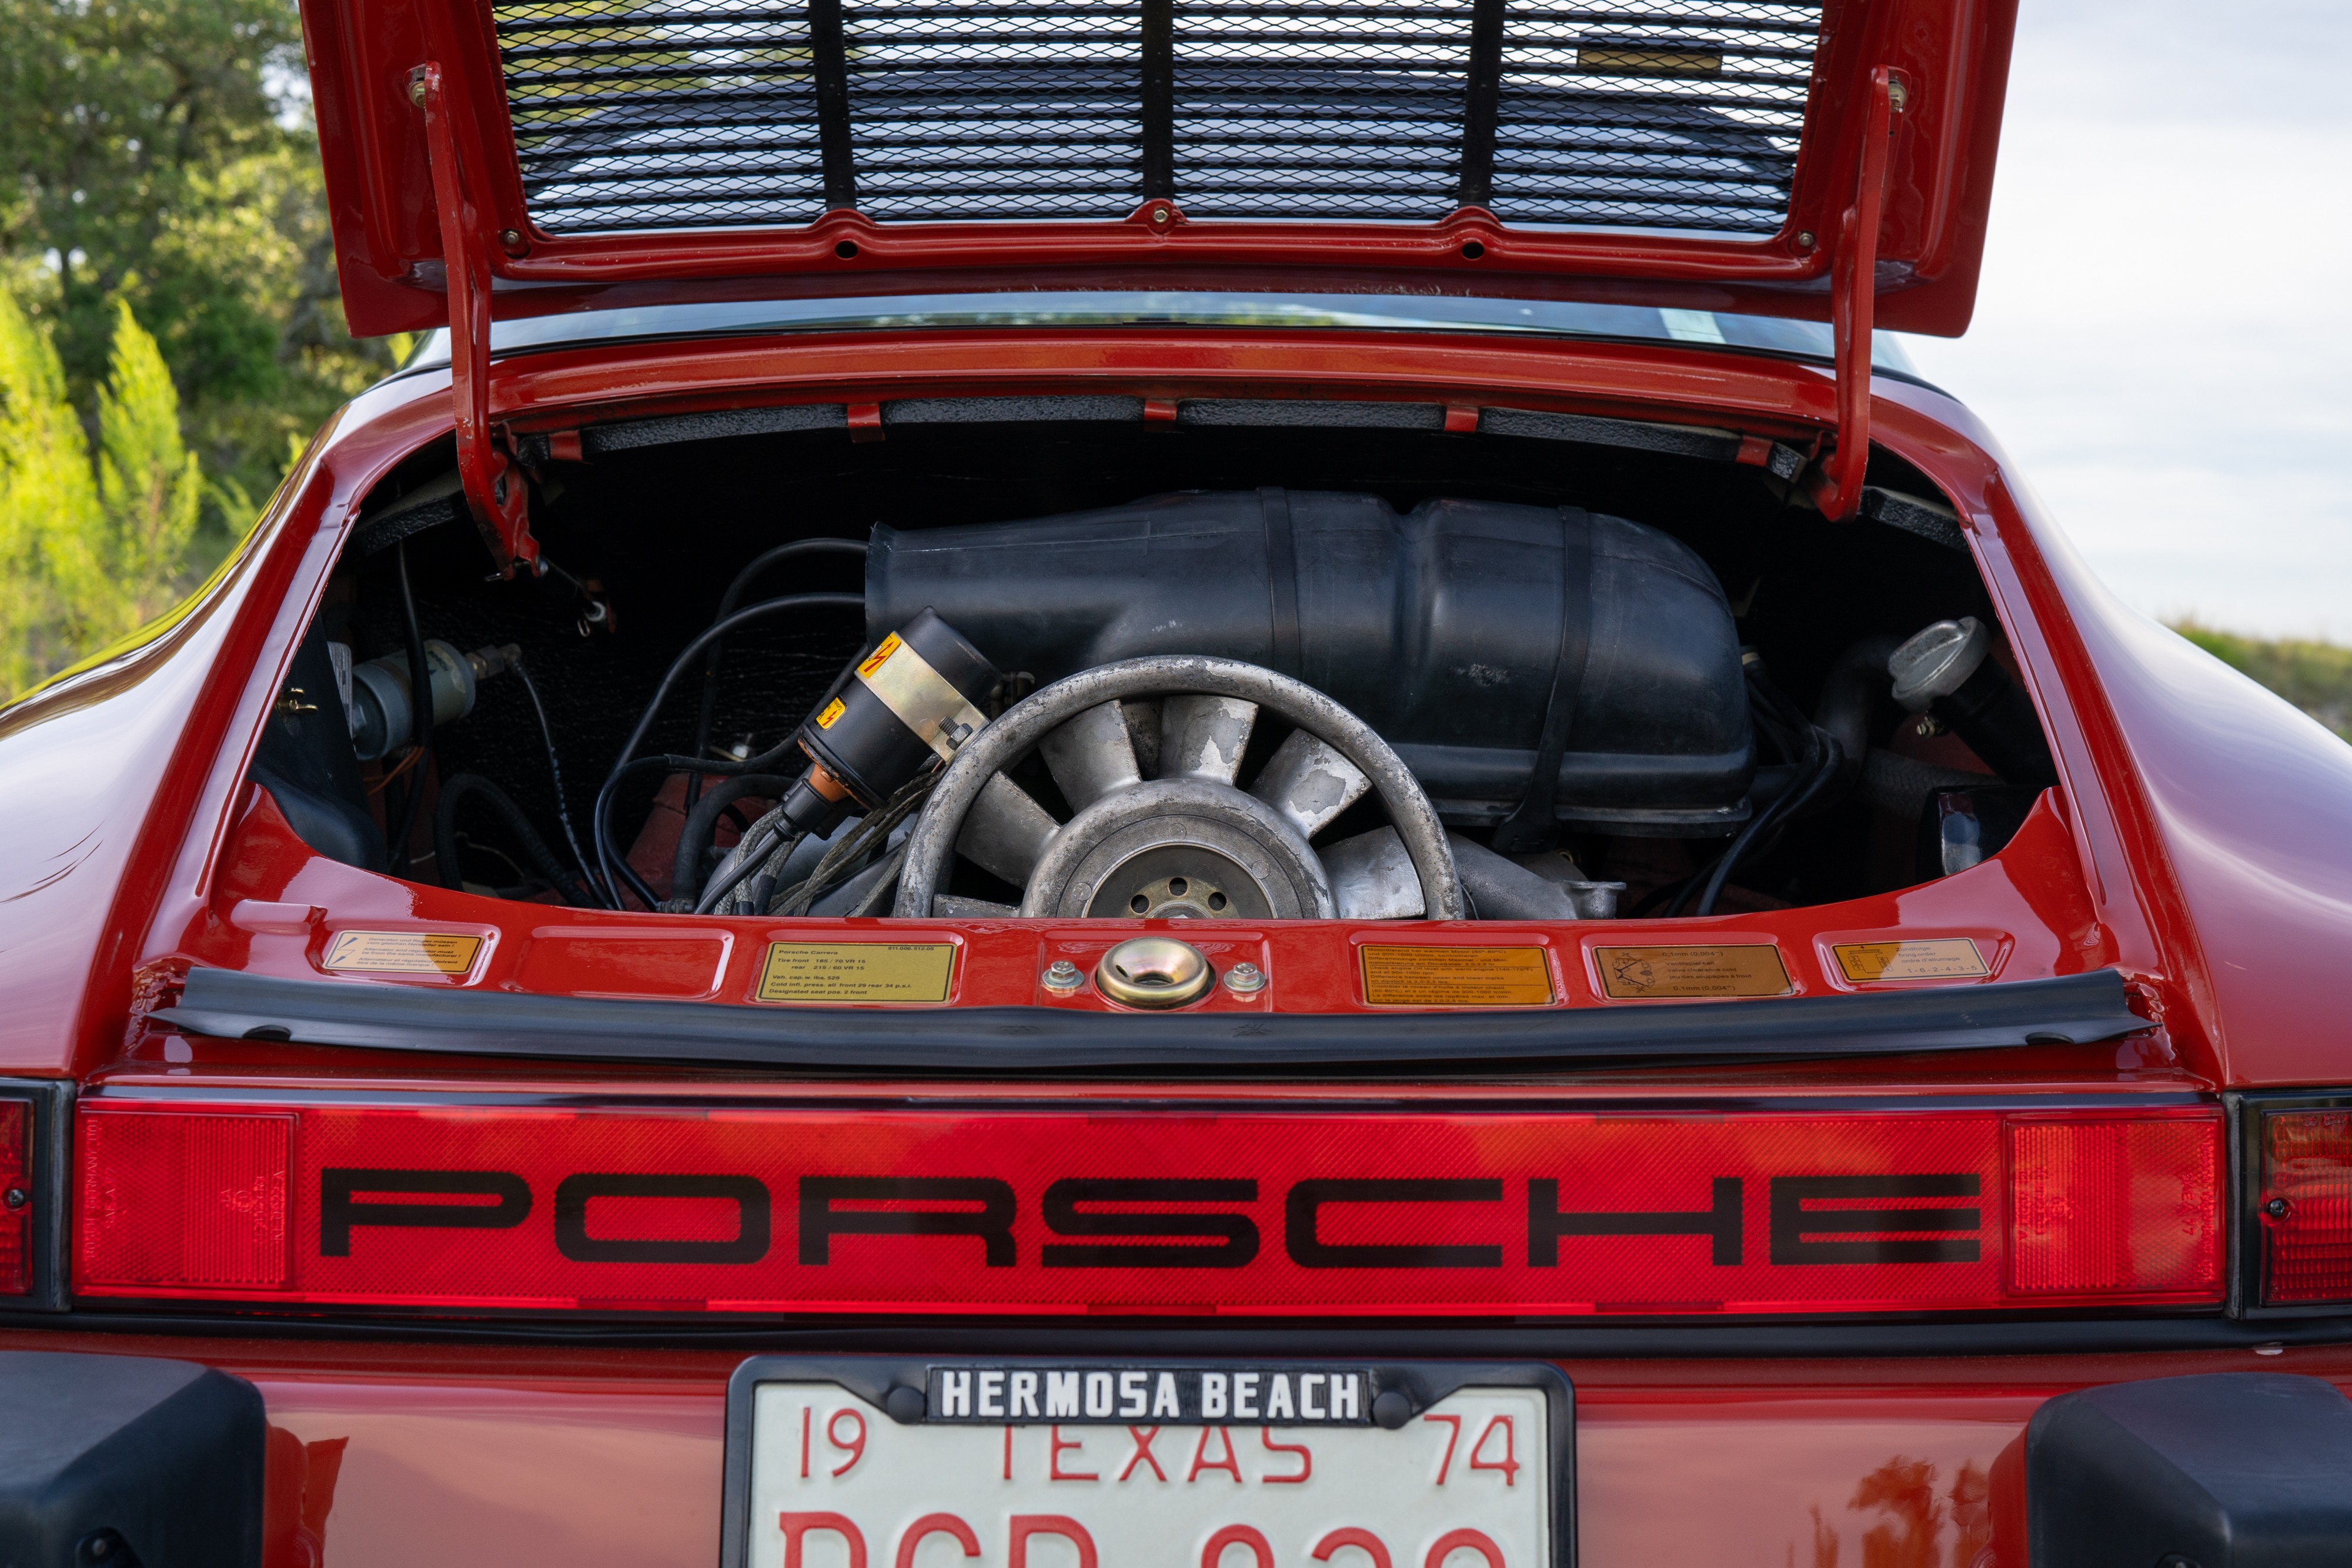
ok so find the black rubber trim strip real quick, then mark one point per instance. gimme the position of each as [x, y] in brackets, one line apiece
[1931, 520]
[1311, 414]
[1845, 1339]
[1675, 440]
[431, 504]
[230, 1004]
[1097, 408]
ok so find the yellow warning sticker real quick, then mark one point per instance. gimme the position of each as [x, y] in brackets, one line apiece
[1697, 971]
[832, 710]
[402, 952]
[880, 656]
[856, 972]
[1929, 958]
[1455, 977]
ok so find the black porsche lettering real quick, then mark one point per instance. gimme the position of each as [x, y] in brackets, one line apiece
[992, 1221]
[1546, 1224]
[749, 1197]
[1237, 1233]
[1951, 1233]
[1302, 1210]
[341, 1210]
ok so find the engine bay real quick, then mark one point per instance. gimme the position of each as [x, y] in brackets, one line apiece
[1030, 659]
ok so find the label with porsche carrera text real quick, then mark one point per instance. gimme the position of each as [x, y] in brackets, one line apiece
[856, 972]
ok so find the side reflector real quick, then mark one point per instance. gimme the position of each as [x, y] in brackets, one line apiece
[16, 1198]
[2127, 1204]
[181, 1200]
[2305, 1206]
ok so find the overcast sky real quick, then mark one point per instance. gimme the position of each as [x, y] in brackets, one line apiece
[2164, 337]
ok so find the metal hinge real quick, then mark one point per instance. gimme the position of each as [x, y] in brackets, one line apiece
[1835, 483]
[496, 489]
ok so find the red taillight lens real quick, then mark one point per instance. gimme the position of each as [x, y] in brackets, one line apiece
[16, 1198]
[2306, 1206]
[765, 1207]
[184, 1200]
[2128, 1204]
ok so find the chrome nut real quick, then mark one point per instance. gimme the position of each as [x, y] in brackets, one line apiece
[1245, 980]
[1062, 977]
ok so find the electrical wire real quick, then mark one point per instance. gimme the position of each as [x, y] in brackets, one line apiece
[727, 603]
[842, 861]
[596, 888]
[616, 870]
[420, 728]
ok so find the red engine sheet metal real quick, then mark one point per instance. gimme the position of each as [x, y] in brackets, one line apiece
[759, 1209]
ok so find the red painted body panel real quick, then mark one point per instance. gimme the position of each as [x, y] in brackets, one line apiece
[2201, 841]
[1952, 55]
[485, 1457]
[125, 778]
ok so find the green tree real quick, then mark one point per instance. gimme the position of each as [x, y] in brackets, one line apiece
[158, 152]
[2315, 676]
[149, 484]
[88, 553]
[52, 584]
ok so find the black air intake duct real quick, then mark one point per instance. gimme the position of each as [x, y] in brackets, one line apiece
[1469, 634]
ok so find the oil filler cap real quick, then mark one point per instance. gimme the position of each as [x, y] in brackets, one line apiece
[1154, 972]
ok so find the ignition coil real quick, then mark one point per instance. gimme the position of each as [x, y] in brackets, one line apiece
[377, 701]
[916, 697]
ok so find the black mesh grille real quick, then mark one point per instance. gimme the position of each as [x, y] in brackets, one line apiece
[702, 113]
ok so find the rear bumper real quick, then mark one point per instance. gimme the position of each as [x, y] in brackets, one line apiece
[461, 1455]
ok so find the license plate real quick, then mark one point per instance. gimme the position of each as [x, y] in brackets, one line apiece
[972, 1463]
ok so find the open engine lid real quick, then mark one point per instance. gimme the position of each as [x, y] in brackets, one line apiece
[1699, 153]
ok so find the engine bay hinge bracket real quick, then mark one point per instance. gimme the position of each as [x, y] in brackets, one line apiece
[1835, 483]
[497, 490]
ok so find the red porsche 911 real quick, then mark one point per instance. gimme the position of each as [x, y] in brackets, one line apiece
[1167, 784]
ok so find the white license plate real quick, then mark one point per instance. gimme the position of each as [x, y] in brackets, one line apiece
[827, 1479]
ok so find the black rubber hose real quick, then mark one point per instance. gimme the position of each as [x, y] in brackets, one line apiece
[614, 867]
[702, 824]
[420, 730]
[457, 789]
[727, 603]
[1767, 826]
[1857, 683]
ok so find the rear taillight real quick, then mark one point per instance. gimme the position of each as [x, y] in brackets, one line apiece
[760, 1208]
[16, 1198]
[2306, 1207]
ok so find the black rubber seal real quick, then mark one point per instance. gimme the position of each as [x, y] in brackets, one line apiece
[230, 1004]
